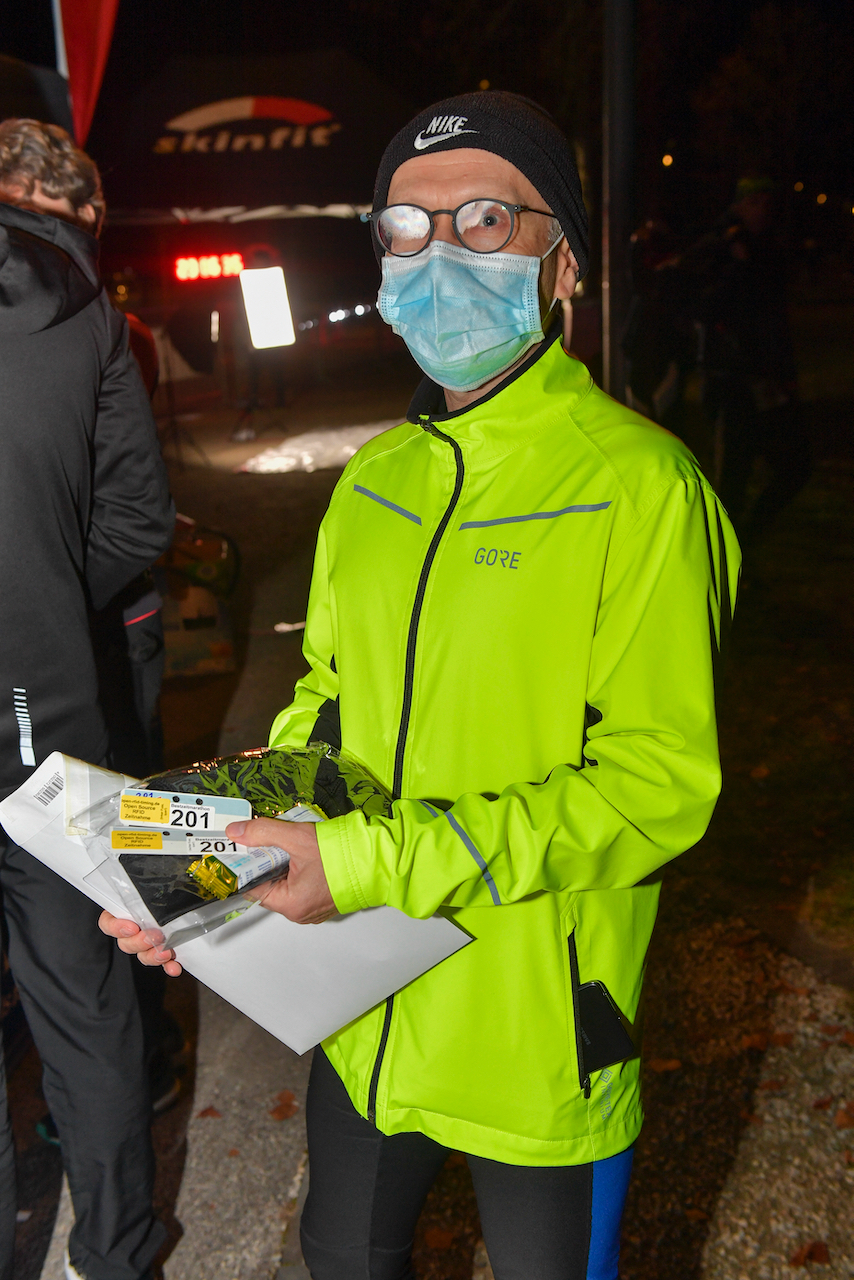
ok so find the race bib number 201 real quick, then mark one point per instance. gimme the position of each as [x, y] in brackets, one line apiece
[190, 817]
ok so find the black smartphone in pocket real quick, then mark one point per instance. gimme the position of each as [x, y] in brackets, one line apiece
[603, 1038]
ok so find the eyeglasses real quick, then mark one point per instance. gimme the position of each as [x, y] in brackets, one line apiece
[483, 225]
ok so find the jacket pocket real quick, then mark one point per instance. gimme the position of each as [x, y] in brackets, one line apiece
[602, 1032]
[583, 1076]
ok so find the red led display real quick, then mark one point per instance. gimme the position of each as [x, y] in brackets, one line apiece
[209, 266]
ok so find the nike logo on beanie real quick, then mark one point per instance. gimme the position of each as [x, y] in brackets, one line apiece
[440, 129]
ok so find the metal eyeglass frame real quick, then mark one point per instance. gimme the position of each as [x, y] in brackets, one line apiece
[513, 209]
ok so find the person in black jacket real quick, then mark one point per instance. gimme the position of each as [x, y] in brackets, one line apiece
[84, 508]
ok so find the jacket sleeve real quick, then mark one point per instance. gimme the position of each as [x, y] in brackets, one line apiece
[315, 695]
[133, 516]
[650, 774]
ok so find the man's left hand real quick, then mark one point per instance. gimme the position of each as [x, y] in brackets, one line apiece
[303, 896]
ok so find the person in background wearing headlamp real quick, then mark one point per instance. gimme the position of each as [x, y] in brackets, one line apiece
[517, 609]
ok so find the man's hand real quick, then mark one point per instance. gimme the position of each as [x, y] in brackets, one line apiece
[304, 895]
[142, 944]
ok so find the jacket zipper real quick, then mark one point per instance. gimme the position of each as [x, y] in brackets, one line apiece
[583, 1076]
[412, 639]
[378, 1062]
[406, 711]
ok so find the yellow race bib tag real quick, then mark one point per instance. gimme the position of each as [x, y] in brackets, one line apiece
[137, 840]
[137, 808]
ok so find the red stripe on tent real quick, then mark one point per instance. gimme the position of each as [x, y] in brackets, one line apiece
[292, 109]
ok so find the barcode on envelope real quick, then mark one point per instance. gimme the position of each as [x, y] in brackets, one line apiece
[50, 790]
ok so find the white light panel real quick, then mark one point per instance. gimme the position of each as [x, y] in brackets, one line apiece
[265, 297]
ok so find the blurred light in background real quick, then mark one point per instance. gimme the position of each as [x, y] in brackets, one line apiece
[799, 186]
[214, 326]
[209, 267]
[268, 311]
[821, 199]
[484, 84]
[667, 161]
[339, 314]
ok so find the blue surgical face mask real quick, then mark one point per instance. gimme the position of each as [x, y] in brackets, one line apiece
[465, 317]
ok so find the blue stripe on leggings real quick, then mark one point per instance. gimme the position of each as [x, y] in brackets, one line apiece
[610, 1184]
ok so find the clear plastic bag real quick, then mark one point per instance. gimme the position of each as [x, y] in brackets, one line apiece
[176, 888]
[274, 779]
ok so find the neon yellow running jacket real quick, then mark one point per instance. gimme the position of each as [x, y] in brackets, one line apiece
[516, 612]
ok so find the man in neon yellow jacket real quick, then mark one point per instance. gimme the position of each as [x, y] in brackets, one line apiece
[518, 603]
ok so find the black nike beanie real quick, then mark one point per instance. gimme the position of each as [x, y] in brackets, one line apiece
[512, 127]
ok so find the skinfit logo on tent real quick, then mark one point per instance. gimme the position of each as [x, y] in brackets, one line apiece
[307, 125]
[440, 129]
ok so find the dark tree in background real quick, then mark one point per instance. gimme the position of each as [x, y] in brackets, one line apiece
[548, 51]
[781, 103]
[724, 86]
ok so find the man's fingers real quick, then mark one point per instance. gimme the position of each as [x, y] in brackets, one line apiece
[264, 891]
[115, 927]
[257, 831]
[279, 896]
[144, 944]
[165, 959]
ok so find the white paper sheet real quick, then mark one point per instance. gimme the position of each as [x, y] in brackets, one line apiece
[299, 982]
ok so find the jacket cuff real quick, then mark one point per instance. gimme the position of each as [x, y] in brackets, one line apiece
[336, 839]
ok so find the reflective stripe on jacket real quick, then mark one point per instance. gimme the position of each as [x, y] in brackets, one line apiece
[516, 611]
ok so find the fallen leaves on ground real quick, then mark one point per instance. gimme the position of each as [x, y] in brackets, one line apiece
[815, 1251]
[286, 1105]
[660, 1065]
[438, 1238]
[772, 1086]
[209, 1113]
[761, 771]
[844, 1118]
[755, 1040]
[451, 1209]
[234, 1151]
[823, 1104]
[782, 1039]
[696, 1215]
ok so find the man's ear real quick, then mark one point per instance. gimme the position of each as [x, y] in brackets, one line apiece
[88, 218]
[566, 277]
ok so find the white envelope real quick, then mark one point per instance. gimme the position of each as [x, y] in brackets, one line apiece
[299, 982]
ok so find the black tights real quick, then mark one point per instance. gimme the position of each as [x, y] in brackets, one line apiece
[366, 1192]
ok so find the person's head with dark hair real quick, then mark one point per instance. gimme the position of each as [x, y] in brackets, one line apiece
[42, 168]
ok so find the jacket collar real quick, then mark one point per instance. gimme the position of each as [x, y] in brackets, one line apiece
[543, 390]
[48, 270]
[81, 247]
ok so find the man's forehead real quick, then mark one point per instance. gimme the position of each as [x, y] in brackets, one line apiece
[458, 175]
